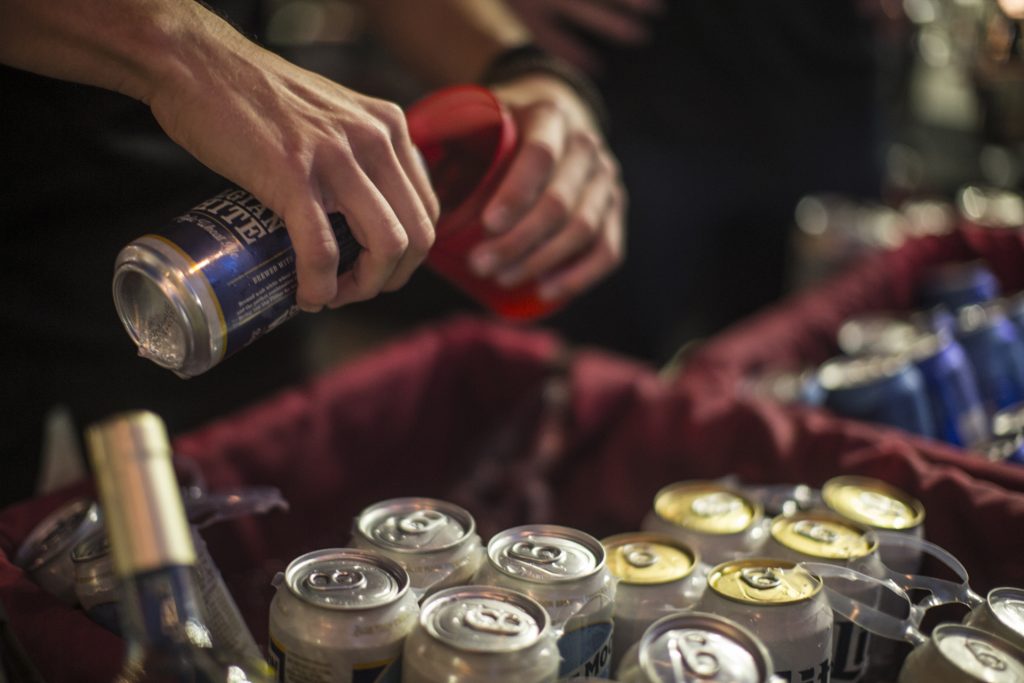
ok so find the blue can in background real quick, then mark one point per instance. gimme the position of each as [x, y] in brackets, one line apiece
[957, 410]
[1004, 449]
[885, 389]
[996, 351]
[955, 285]
[1009, 421]
[1015, 311]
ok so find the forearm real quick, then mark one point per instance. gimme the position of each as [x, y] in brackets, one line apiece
[129, 46]
[472, 33]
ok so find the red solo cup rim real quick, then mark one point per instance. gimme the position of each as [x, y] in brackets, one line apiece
[457, 112]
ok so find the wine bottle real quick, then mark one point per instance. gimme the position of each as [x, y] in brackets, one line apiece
[154, 559]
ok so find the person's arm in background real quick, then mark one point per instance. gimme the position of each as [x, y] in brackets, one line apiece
[303, 145]
[559, 214]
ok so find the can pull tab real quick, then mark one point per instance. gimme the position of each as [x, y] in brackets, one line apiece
[422, 522]
[494, 621]
[864, 615]
[691, 657]
[339, 579]
[716, 504]
[761, 578]
[942, 592]
[816, 532]
[640, 555]
[535, 553]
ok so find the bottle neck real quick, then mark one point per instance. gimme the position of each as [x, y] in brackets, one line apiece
[160, 609]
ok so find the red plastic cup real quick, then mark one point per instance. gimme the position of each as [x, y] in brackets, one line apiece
[468, 139]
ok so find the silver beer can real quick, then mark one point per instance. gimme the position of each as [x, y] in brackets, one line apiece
[564, 570]
[823, 536]
[719, 522]
[879, 505]
[96, 583]
[656, 575]
[783, 605]
[45, 554]
[473, 634]
[696, 647]
[434, 541]
[961, 654]
[1002, 613]
[339, 615]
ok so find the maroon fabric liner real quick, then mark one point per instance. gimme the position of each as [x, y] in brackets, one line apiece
[455, 411]
[801, 330]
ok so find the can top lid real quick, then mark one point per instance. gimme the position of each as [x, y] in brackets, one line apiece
[92, 547]
[648, 558]
[1009, 421]
[484, 619]
[58, 533]
[991, 207]
[929, 216]
[978, 654]
[823, 535]
[1008, 606]
[697, 647]
[706, 507]
[153, 316]
[875, 333]
[872, 502]
[763, 581]
[851, 372]
[979, 316]
[1002, 448]
[415, 525]
[546, 552]
[346, 579]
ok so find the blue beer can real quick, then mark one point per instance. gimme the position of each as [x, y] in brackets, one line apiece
[955, 285]
[957, 409]
[1004, 449]
[996, 352]
[885, 389]
[1009, 421]
[1015, 310]
[211, 282]
[785, 386]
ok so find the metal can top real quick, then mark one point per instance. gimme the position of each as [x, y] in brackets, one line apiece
[695, 647]
[707, 508]
[645, 559]
[991, 207]
[929, 216]
[875, 333]
[1009, 421]
[823, 535]
[415, 525]
[981, 655]
[872, 502]
[983, 316]
[57, 534]
[92, 547]
[763, 581]
[544, 552]
[1003, 448]
[1008, 606]
[847, 372]
[346, 579]
[484, 619]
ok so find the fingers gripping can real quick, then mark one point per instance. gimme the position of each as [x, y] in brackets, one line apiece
[717, 521]
[784, 606]
[1001, 614]
[656, 574]
[877, 504]
[434, 541]
[339, 615]
[564, 570]
[696, 647]
[962, 654]
[827, 537]
[46, 552]
[471, 634]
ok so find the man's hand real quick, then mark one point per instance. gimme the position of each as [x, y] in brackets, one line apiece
[556, 25]
[558, 216]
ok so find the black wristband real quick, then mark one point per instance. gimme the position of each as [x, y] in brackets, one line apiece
[528, 59]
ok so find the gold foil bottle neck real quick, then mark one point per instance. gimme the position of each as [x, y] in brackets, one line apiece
[648, 559]
[138, 490]
[762, 581]
[822, 535]
[873, 502]
[706, 508]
